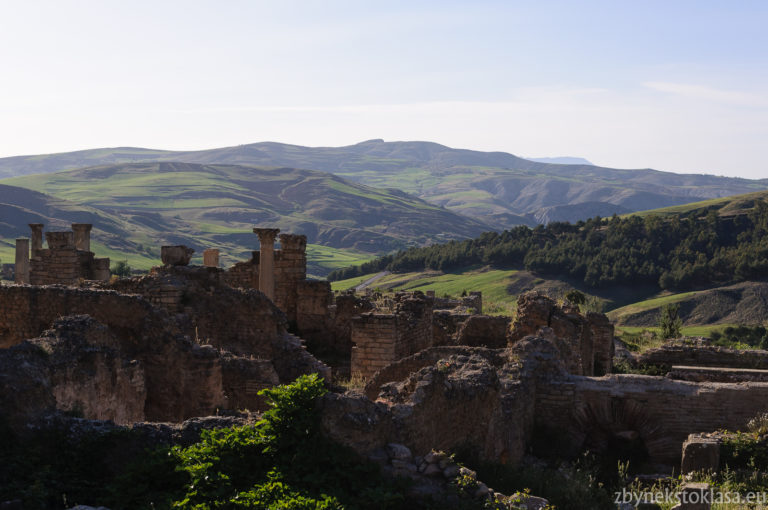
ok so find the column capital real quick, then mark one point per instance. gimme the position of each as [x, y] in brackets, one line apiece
[266, 235]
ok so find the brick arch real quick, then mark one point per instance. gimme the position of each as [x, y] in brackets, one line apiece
[600, 424]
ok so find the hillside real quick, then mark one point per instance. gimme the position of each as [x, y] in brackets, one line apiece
[725, 206]
[218, 205]
[743, 303]
[496, 188]
[700, 248]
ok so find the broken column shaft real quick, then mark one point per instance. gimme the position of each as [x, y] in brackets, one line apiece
[37, 237]
[22, 260]
[267, 260]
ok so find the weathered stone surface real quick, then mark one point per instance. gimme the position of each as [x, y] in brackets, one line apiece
[700, 453]
[398, 451]
[380, 339]
[178, 255]
[211, 258]
[21, 269]
[484, 331]
[698, 352]
[140, 358]
[586, 342]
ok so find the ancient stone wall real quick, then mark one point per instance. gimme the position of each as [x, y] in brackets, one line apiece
[67, 259]
[314, 300]
[290, 271]
[380, 339]
[374, 341]
[596, 412]
[484, 331]
[698, 353]
[244, 274]
[717, 374]
[242, 321]
[588, 339]
[445, 325]
[28, 311]
[468, 398]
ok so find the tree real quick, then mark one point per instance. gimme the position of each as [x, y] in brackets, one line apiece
[121, 269]
[576, 297]
[670, 322]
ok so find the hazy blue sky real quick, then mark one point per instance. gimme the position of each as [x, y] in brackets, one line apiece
[673, 85]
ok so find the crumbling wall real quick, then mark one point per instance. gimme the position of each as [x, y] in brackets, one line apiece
[242, 321]
[699, 353]
[67, 259]
[244, 275]
[380, 339]
[243, 378]
[313, 306]
[28, 311]
[445, 325]
[290, 271]
[469, 398]
[374, 343]
[589, 338]
[484, 331]
[717, 374]
[593, 412]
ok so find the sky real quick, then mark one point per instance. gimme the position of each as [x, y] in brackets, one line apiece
[674, 85]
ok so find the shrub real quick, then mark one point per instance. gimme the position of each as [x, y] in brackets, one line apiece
[669, 321]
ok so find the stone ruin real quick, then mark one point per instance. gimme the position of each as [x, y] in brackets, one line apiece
[188, 341]
[67, 259]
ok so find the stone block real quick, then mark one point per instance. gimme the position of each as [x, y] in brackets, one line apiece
[700, 454]
[178, 255]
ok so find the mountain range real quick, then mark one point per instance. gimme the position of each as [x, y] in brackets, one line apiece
[495, 188]
[137, 207]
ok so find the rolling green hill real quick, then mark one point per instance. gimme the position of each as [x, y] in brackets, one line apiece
[495, 188]
[137, 207]
[725, 206]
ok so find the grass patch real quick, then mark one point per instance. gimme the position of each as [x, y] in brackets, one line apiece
[649, 304]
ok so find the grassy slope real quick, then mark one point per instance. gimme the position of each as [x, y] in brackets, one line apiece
[736, 204]
[649, 304]
[500, 287]
[218, 205]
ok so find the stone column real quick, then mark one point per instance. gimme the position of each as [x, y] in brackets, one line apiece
[211, 258]
[22, 260]
[101, 269]
[267, 260]
[37, 237]
[82, 236]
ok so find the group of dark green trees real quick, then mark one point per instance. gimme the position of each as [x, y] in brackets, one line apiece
[695, 250]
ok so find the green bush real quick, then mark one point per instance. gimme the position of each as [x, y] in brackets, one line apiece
[281, 462]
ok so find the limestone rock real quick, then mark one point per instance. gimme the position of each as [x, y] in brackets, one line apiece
[700, 454]
[398, 451]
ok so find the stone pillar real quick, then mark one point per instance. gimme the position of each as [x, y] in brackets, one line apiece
[37, 237]
[22, 260]
[267, 260]
[101, 269]
[211, 258]
[82, 236]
